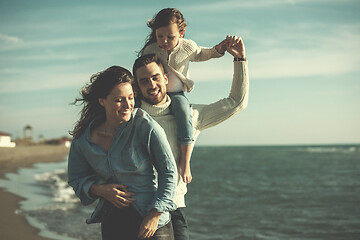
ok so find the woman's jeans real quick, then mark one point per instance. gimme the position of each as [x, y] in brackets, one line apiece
[124, 224]
[180, 108]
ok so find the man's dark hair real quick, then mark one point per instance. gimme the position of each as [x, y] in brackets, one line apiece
[145, 60]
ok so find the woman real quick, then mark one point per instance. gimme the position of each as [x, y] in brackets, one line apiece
[112, 156]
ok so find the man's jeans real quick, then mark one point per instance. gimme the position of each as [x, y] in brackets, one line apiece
[179, 222]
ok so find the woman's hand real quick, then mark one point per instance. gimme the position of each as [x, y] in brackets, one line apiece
[149, 225]
[116, 194]
[235, 46]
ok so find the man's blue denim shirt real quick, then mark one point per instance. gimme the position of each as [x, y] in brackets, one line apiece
[138, 146]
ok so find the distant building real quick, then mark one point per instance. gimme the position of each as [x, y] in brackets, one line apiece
[66, 141]
[28, 138]
[60, 141]
[5, 140]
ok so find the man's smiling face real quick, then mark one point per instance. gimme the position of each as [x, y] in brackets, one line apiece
[152, 83]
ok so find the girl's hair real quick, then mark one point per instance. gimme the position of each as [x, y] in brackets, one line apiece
[100, 86]
[163, 18]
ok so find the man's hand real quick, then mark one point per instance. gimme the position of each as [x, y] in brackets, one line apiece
[149, 225]
[235, 46]
[116, 194]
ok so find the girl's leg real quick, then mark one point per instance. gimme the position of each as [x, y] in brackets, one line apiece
[180, 108]
[185, 170]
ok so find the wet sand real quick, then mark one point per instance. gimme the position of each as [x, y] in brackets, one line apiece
[13, 226]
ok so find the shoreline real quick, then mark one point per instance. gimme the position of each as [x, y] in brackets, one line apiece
[12, 225]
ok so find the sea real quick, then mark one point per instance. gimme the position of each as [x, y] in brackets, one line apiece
[237, 192]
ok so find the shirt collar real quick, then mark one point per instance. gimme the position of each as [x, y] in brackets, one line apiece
[101, 118]
[177, 46]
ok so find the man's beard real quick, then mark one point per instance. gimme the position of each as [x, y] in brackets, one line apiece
[153, 101]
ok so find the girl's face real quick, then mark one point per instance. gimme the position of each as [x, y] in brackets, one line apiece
[168, 37]
[119, 104]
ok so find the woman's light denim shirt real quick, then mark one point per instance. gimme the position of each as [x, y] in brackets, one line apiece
[139, 147]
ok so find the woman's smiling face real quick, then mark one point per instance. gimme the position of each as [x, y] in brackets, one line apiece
[119, 104]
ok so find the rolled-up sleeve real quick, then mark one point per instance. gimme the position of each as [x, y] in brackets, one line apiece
[80, 174]
[164, 162]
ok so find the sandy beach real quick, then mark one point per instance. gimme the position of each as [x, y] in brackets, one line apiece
[13, 226]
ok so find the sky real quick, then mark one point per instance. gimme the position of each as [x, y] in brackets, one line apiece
[303, 58]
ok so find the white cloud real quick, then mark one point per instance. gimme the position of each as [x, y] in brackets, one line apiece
[236, 4]
[9, 39]
[334, 53]
[37, 80]
[47, 43]
[293, 54]
[9, 70]
[302, 63]
[50, 57]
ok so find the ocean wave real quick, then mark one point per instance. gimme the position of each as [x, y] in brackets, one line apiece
[332, 149]
[57, 181]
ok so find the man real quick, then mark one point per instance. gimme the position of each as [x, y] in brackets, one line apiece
[151, 83]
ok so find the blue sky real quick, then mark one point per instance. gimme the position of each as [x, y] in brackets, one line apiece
[303, 63]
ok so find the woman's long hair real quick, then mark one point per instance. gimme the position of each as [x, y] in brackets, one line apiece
[163, 18]
[100, 86]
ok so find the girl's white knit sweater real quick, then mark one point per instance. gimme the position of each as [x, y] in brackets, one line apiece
[178, 60]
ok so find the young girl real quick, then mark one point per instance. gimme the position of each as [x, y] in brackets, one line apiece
[167, 42]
